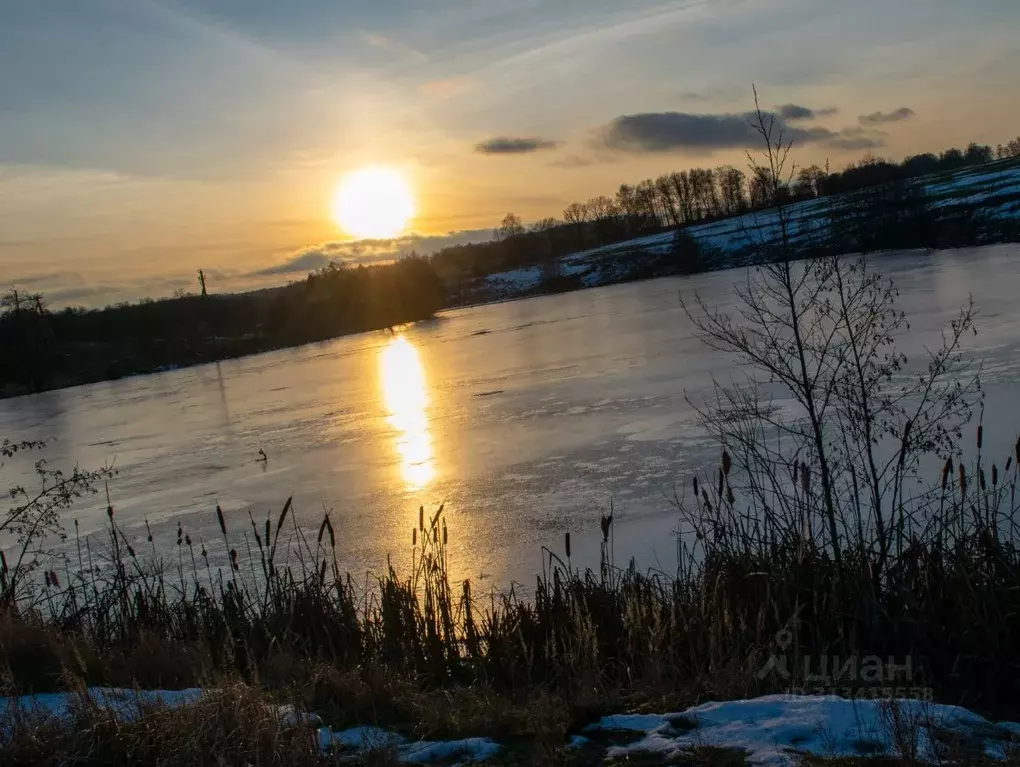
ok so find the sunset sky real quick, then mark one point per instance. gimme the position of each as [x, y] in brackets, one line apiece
[141, 140]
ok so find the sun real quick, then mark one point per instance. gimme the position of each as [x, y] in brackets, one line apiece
[373, 203]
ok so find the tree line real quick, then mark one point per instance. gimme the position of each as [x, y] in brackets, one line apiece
[685, 198]
[48, 349]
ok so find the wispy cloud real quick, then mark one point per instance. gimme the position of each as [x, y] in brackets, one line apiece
[573, 161]
[881, 118]
[797, 112]
[449, 86]
[316, 256]
[393, 46]
[302, 263]
[514, 145]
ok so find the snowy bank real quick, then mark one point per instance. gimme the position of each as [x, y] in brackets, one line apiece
[778, 729]
[127, 705]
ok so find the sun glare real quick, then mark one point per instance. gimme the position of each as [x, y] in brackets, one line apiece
[373, 203]
[405, 396]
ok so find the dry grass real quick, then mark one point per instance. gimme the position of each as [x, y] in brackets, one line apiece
[430, 659]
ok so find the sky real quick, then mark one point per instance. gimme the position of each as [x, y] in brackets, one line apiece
[141, 140]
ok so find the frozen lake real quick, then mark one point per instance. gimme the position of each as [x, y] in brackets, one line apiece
[524, 417]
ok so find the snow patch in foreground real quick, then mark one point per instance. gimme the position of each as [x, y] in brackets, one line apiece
[127, 705]
[466, 751]
[776, 729]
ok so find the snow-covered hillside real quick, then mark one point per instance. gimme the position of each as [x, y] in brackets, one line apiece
[995, 188]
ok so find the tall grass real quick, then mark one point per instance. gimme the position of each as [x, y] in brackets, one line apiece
[948, 598]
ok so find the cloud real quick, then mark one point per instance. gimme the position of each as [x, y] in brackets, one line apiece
[573, 161]
[509, 145]
[881, 118]
[680, 131]
[728, 93]
[391, 45]
[857, 142]
[448, 87]
[660, 132]
[306, 261]
[798, 112]
[366, 252]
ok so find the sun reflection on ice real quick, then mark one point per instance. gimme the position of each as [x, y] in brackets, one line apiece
[405, 396]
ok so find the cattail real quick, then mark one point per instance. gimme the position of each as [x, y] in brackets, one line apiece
[946, 471]
[283, 514]
[223, 522]
[726, 463]
[963, 482]
[130, 550]
[722, 479]
[995, 475]
[1009, 462]
[322, 530]
[109, 512]
[695, 487]
[421, 519]
[566, 544]
[269, 529]
[981, 478]
[322, 572]
[805, 478]
[332, 535]
[605, 522]
[444, 532]
[204, 554]
[46, 574]
[414, 536]
[54, 579]
[187, 541]
[980, 435]
[233, 559]
[180, 534]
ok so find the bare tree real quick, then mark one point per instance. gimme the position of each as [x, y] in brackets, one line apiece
[603, 212]
[646, 201]
[1009, 150]
[731, 190]
[667, 201]
[811, 180]
[823, 333]
[684, 196]
[511, 228]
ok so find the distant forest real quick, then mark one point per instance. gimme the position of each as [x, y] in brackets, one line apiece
[685, 198]
[45, 349]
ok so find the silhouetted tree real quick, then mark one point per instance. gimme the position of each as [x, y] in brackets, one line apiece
[576, 215]
[511, 227]
[1009, 150]
[978, 154]
[731, 189]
